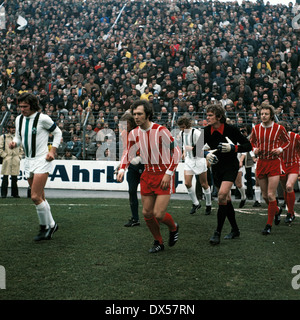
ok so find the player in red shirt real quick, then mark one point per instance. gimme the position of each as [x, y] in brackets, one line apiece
[291, 159]
[160, 157]
[269, 139]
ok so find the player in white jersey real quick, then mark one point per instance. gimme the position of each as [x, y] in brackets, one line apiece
[193, 163]
[32, 131]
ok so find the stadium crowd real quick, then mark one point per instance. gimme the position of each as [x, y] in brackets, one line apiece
[82, 58]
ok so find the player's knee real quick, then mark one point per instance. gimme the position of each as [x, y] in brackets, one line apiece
[222, 197]
[289, 188]
[271, 196]
[159, 215]
[147, 214]
[188, 185]
[36, 198]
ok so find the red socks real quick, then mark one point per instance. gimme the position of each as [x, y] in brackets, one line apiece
[272, 210]
[169, 222]
[290, 201]
[154, 227]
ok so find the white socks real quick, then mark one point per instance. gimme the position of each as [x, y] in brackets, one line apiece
[207, 194]
[44, 214]
[257, 193]
[243, 193]
[192, 193]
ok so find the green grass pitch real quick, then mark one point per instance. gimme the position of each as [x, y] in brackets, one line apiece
[93, 256]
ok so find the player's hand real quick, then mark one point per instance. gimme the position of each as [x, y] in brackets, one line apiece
[256, 151]
[120, 175]
[50, 156]
[165, 182]
[276, 152]
[226, 147]
[211, 157]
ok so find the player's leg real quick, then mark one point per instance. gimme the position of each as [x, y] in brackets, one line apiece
[152, 223]
[47, 224]
[290, 196]
[269, 188]
[257, 191]
[230, 213]
[133, 178]
[241, 188]
[223, 196]
[191, 190]
[206, 191]
[162, 216]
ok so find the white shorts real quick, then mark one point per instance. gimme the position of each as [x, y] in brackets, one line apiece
[36, 165]
[195, 166]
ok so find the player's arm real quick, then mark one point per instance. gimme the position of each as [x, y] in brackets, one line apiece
[175, 153]
[52, 128]
[17, 138]
[285, 140]
[242, 144]
[126, 156]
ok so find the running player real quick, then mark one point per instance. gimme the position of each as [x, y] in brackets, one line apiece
[160, 157]
[32, 131]
[224, 141]
[290, 157]
[194, 164]
[269, 140]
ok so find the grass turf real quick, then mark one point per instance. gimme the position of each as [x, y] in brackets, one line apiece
[92, 256]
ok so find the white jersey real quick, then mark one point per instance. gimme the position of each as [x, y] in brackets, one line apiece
[189, 140]
[193, 163]
[36, 145]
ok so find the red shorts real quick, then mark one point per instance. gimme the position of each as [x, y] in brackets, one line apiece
[150, 184]
[291, 168]
[269, 168]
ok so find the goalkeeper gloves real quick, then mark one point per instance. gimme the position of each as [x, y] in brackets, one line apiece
[227, 147]
[211, 157]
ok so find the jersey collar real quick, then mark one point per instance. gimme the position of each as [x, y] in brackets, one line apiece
[220, 129]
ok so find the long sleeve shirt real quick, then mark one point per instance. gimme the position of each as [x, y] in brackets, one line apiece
[269, 138]
[156, 147]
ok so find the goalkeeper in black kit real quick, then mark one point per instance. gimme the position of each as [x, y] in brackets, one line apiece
[222, 143]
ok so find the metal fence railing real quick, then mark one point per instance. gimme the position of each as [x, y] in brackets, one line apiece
[83, 135]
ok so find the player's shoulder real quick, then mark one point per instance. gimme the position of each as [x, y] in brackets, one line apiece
[44, 116]
[157, 126]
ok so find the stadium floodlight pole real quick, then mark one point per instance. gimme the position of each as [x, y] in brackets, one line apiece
[116, 21]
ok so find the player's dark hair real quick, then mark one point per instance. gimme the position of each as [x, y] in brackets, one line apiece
[31, 99]
[147, 108]
[129, 118]
[218, 110]
[185, 121]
